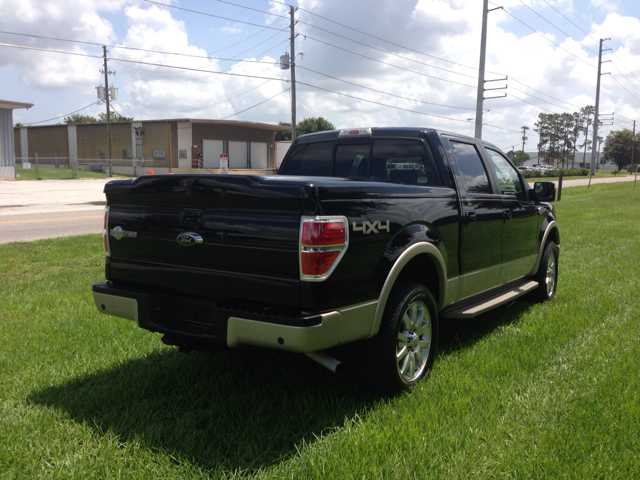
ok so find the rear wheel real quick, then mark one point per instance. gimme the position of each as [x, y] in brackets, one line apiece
[403, 351]
[547, 274]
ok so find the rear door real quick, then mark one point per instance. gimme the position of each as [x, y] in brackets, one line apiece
[482, 210]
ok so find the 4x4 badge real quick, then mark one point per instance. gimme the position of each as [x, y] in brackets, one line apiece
[369, 227]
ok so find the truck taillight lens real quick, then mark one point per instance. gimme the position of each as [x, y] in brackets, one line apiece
[323, 241]
[105, 233]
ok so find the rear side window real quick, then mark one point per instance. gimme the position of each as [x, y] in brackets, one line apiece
[404, 161]
[313, 159]
[352, 161]
[474, 176]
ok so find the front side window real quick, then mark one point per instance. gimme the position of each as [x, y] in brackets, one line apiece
[403, 161]
[474, 176]
[507, 176]
[312, 159]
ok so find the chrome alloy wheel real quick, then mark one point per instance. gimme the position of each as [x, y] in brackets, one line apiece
[550, 279]
[414, 341]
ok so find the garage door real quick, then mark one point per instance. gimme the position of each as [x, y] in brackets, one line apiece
[212, 149]
[259, 155]
[238, 155]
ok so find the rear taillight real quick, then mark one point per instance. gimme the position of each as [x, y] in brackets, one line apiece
[105, 233]
[323, 241]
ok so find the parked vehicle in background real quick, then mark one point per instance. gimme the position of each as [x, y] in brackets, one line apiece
[367, 236]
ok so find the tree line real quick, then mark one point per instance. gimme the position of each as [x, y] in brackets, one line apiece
[560, 135]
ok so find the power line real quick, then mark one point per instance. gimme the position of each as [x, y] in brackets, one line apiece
[529, 103]
[138, 62]
[380, 91]
[204, 76]
[345, 38]
[557, 28]
[538, 98]
[399, 108]
[389, 64]
[210, 15]
[382, 39]
[630, 82]
[616, 80]
[628, 69]
[618, 115]
[256, 105]
[65, 115]
[246, 39]
[208, 105]
[583, 31]
[538, 91]
[140, 49]
[540, 34]
[385, 51]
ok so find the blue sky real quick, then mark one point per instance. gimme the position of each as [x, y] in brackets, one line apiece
[421, 70]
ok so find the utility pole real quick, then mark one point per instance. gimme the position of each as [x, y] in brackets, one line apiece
[633, 142]
[594, 143]
[292, 11]
[483, 54]
[106, 96]
[524, 137]
[481, 81]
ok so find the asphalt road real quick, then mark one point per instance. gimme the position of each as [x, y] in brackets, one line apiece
[32, 210]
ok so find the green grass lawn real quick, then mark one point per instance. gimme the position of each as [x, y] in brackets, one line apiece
[527, 391]
[600, 174]
[54, 173]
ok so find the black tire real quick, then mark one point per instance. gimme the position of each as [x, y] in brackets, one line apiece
[547, 274]
[402, 352]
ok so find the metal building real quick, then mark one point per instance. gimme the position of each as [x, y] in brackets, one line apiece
[7, 152]
[176, 145]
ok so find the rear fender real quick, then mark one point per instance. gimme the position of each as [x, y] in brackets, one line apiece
[400, 255]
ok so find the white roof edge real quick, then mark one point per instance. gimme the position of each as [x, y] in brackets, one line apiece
[14, 105]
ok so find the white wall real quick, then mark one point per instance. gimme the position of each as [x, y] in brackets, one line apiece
[185, 139]
[281, 151]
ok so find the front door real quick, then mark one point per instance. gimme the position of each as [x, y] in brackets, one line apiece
[520, 230]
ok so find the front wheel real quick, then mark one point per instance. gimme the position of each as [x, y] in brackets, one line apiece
[403, 351]
[547, 274]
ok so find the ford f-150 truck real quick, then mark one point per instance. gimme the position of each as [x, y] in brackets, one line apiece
[368, 235]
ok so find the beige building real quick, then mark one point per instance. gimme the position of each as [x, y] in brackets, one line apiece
[177, 145]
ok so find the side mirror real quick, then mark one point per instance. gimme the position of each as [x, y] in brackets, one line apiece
[544, 191]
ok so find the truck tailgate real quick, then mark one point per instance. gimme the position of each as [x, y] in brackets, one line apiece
[249, 232]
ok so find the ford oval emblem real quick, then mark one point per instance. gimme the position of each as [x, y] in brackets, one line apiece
[187, 239]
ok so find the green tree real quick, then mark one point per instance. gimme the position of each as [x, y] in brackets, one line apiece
[617, 148]
[308, 125]
[283, 134]
[77, 118]
[314, 124]
[520, 157]
[19, 124]
[115, 117]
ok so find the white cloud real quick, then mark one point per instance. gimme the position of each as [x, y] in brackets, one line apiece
[431, 30]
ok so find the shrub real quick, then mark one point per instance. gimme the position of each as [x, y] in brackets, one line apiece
[614, 172]
[633, 168]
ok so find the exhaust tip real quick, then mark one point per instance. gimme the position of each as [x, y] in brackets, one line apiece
[327, 361]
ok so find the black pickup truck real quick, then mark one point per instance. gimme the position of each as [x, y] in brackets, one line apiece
[369, 236]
